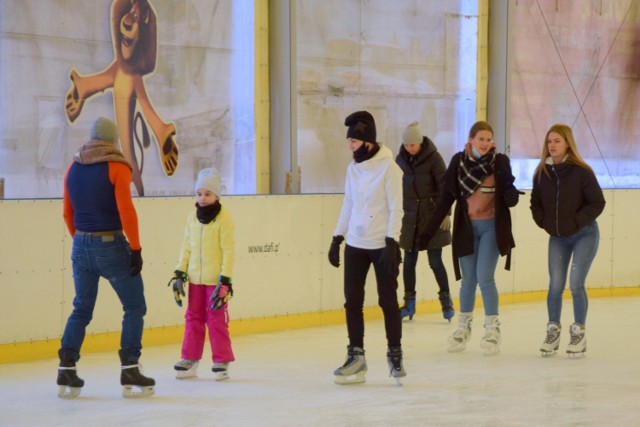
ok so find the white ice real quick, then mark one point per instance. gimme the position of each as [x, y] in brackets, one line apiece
[285, 379]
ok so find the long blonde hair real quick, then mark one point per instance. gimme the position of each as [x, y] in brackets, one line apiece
[573, 156]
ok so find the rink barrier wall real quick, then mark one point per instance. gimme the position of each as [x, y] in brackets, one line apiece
[282, 279]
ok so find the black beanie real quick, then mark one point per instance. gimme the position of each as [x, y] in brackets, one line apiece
[361, 126]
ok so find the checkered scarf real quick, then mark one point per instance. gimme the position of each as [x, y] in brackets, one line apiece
[472, 171]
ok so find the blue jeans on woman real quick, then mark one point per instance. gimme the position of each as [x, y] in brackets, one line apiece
[583, 245]
[435, 263]
[109, 257]
[479, 269]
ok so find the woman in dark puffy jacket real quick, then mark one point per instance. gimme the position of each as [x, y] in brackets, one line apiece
[565, 201]
[423, 169]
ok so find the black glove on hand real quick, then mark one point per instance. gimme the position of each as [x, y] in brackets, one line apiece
[222, 293]
[178, 280]
[511, 197]
[334, 251]
[391, 257]
[136, 261]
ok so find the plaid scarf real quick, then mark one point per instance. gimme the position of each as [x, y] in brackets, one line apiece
[472, 171]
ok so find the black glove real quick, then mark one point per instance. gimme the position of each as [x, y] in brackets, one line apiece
[391, 257]
[334, 251]
[178, 280]
[222, 293]
[511, 197]
[136, 261]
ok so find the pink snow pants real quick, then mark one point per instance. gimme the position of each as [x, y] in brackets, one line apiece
[199, 314]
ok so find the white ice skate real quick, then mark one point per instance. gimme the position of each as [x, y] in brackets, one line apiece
[490, 342]
[458, 340]
[552, 340]
[353, 369]
[186, 368]
[578, 344]
[220, 371]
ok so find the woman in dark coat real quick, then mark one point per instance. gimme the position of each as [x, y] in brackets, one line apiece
[480, 181]
[423, 170]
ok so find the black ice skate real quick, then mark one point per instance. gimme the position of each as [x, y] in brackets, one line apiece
[396, 367]
[131, 376]
[69, 384]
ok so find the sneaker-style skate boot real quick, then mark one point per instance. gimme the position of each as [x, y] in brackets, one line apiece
[447, 305]
[396, 367]
[552, 340]
[131, 376]
[458, 340]
[490, 342]
[186, 368]
[69, 384]
[353, 369]
[220, 371]
[409, 307]
[578, 343]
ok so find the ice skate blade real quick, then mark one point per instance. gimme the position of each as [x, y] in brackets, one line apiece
[489, 352]
[357, 378]
[130, 392]
[456, 348]
[190, 373]
[547, 353]
[577, 354]
[221, 376]
[66, 392]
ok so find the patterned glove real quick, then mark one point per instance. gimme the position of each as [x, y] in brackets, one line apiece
[222, 293]
[177, 285]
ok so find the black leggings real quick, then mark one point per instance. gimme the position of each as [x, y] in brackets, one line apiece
[356, 266]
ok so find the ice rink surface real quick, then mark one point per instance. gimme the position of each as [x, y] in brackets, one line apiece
[285, 379]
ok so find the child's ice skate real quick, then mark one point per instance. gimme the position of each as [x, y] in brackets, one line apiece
[447, 305]
[396, 367]
[220, 371]
[490, 342]
[458, 340]
[353, 369]
[69, 384]
[552, 340]
[578, 344]
[131, 376]
[186, 368]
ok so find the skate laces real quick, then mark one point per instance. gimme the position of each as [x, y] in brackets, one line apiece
[576, 338]
[552, 336]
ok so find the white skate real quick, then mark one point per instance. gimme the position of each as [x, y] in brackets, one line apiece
[490, 342]
[458, 340]
[578, 344]
[220, 371]
[186, 368]
[353, 369]
[552, 340]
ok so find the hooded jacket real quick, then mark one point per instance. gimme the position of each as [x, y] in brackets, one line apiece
[422, 182]
[372, 204]
[565, 200]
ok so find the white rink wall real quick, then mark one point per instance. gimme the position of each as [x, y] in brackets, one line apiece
[281, 262]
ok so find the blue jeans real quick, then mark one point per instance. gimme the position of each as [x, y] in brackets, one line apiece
[435, 263]
[109, 257]
[479, 269]
[583, 245]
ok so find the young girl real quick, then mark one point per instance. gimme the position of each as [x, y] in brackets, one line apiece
[565, 201]
[206, 258]
[479, 180]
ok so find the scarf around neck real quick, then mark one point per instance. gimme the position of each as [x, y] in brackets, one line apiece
[473, 171]
[362, 154]
[206, 214]
[97, 151]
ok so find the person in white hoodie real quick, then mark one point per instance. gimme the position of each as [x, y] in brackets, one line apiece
[370, 220]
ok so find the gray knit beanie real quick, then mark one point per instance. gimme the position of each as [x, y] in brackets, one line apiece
[104, 129]
[412, 134]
